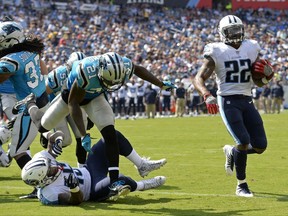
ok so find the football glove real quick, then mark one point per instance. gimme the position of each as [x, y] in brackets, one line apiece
[211, 103]
[263, 66]
[57, 147]
[72, 182]
[86, 143]
[168, 86]
[4, 159]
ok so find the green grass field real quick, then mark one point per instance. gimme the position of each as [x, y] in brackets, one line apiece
[196, 180]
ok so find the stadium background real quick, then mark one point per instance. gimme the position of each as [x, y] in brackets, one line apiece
[183, 27]
[38, 15]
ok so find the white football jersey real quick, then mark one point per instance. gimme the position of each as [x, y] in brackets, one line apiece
[233, 66]
[48, 195]
[132, 90]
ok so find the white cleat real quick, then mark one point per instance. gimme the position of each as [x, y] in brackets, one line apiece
[148, 165]
[229, 163]
[153, 182]
[242, 190]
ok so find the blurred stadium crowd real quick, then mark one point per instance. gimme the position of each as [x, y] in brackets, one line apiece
[168, 42]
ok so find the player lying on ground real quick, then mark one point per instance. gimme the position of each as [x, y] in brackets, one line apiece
[60, 184]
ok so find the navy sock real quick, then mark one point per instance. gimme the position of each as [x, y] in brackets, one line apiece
[240, 159]
[23, 160]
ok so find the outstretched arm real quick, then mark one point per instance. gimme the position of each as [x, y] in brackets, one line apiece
[144, 74]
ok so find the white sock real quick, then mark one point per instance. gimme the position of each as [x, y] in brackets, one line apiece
[29, 153]
[135, 158]
[79, 165]
[241, 181]
[140, 185]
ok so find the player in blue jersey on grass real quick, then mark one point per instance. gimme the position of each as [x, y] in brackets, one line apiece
[87, 83]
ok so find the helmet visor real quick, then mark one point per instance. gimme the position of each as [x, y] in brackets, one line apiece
[234, 33]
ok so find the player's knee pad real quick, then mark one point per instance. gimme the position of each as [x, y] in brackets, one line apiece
[259, 145]
[259, 151]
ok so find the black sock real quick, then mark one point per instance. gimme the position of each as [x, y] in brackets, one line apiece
[125, 147]
[112, 151]
[240, 160]
[80, 151]
[23, 160]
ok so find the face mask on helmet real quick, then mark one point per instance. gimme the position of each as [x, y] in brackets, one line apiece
[75, 56]
[11, 33]
[37, 172]
[111, 73]
[231, 29]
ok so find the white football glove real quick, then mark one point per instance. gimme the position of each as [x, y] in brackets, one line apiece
[4, 159]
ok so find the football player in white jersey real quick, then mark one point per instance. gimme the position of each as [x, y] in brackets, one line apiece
[232, 60]
[60, 184]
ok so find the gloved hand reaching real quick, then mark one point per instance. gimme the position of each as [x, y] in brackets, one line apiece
[86, 143]
[168, 86]
[211, 103]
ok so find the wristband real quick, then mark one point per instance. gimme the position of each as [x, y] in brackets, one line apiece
[206, 95]
[75, 190]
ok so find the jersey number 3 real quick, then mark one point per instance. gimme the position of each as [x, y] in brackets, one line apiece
[238, 71]
[31, 69]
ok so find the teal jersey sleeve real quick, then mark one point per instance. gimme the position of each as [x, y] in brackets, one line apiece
[25, 72]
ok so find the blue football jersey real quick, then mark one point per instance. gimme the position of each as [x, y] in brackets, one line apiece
[86, 75]
[57, 78]
[26, 73]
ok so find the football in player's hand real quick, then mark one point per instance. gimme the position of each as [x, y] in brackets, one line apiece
[261, 68]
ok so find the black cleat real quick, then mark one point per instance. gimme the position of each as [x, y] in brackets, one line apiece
[32, 195]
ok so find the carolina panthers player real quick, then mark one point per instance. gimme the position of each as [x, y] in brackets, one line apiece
[21, 63]
[232, 61]
[86, 86]
[54, 83]
[60, 184]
